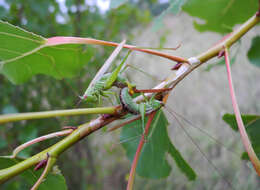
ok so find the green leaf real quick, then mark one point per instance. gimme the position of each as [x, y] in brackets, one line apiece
[174, 8]
[24, 54]
[54, 180]
[253, 53]
[244, 156]
[117, 3]
[220, 15]
[253, 131]
[152, 162]
[252, 124]
[181, 163]
[230, 119]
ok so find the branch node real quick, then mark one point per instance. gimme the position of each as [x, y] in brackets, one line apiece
[221, 53]
[42, 163]
[258, 13]
[193, 60]
[177, 66]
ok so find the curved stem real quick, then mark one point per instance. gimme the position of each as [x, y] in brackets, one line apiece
[138, 151]
[96, 124]
[247, 144]
[50, 162]
[59, 40]
[56, 149]
[39, 139]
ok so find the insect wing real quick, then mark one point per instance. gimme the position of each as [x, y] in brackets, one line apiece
[106, 65]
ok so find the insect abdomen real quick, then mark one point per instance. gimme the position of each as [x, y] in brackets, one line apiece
[127, 102]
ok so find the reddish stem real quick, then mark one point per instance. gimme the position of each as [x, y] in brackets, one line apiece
[59, 40]
[151, 90]
[40, 139]
[138, 151]
[247, 144]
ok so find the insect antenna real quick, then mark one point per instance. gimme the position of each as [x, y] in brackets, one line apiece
[141, 71]
[203, 131]
[101, 135]
[169, 110]
[129, 139]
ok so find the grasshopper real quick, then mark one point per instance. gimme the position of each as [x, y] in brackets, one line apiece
[101, 87]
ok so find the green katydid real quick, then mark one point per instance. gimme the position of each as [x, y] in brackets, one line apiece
[102, 85]
[151, 105]
[111, 79]
[142, 108]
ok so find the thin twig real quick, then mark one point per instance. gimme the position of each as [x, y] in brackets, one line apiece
[50, 162]
[88, 128]
[138, 151]
[39, 139]
[245, 139]
[59, 40]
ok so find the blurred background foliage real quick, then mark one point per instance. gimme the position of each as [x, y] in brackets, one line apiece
[89, 18]
[64, 18]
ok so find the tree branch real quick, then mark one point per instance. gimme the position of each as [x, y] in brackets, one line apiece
[88, 128]
[55, 113]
